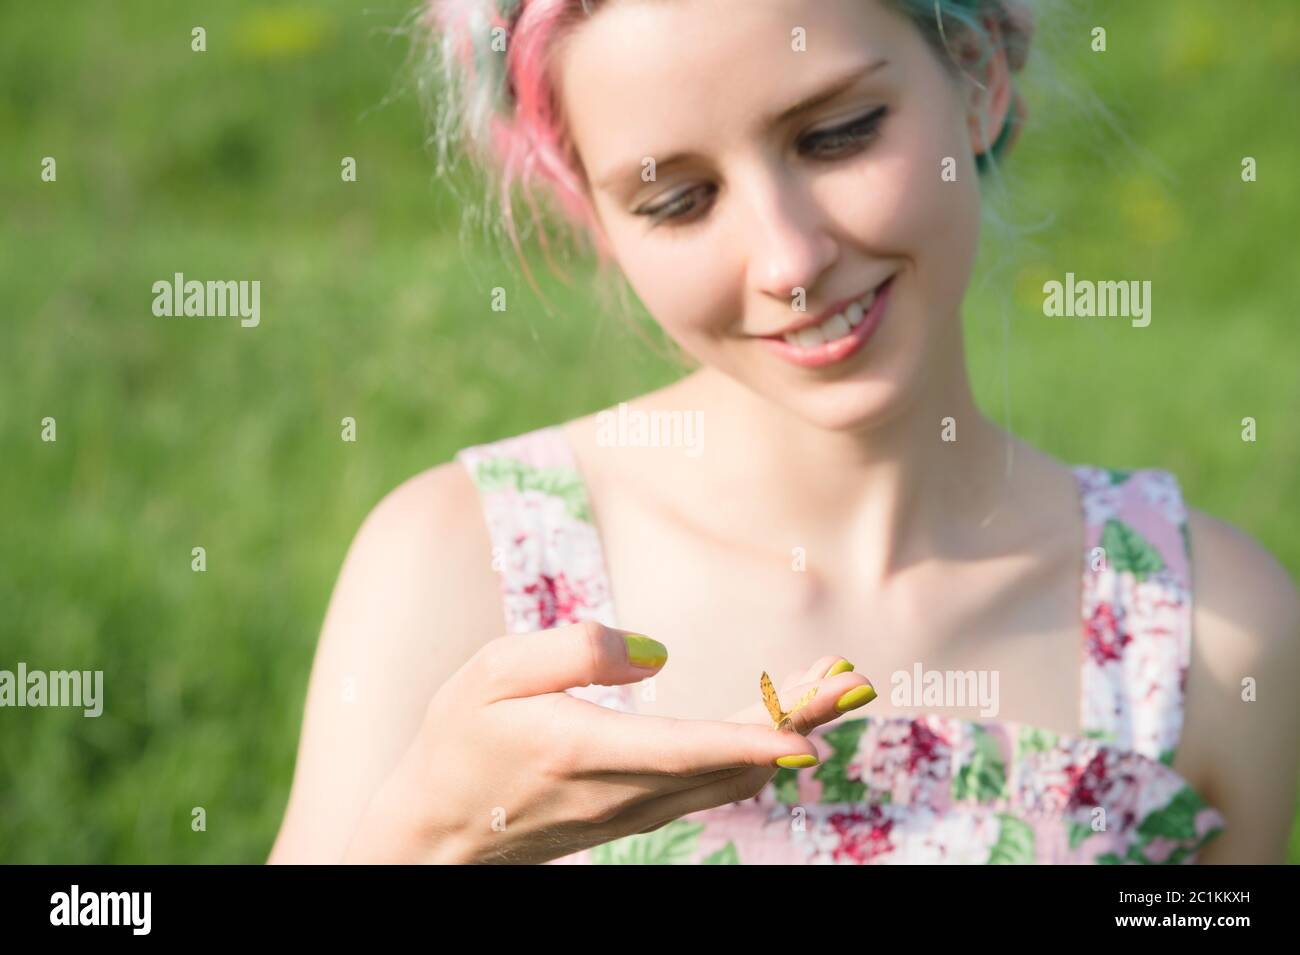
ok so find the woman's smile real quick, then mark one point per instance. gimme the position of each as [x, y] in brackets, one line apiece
[834, 337]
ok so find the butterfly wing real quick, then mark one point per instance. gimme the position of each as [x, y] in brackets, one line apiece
[785, 722]
[807, 697]
[770, 700]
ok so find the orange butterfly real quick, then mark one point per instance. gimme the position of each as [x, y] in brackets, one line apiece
[780, 720]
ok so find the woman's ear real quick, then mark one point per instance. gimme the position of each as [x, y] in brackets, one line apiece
[988, 87]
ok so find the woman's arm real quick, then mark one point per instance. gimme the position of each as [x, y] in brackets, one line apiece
[1242, 756]
[416, 597]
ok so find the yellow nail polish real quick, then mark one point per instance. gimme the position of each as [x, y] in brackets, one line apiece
[841, 666]
[858, 696]
[644, 652]
[801, 761]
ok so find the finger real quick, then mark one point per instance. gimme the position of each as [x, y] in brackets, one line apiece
[624, 791]
[821, 670]
[655, 785]
[836, 696]
[615, 742]
[755, 713]
[655, 813]
[840, 665]
[550, 661]
[787, 695]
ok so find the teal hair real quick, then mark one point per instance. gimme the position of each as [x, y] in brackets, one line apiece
[943, 22]
[503, 107]
[984, 160]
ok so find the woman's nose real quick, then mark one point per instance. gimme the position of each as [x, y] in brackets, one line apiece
[789, 239]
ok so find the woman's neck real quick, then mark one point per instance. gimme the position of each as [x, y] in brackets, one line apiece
[884, 495]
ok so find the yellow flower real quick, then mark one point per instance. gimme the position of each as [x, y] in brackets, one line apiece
[282, 32]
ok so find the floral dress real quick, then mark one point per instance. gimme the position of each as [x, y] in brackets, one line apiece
[926, 789]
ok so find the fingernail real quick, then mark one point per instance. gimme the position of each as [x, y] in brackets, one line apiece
[644, 652]
[800, 761]
[858, 696]
[841, 666]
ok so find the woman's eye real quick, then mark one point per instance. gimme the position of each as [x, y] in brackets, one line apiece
[828, 144]
[675, 209]
[853, 134]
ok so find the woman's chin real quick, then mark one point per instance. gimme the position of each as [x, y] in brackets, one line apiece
[844, 406]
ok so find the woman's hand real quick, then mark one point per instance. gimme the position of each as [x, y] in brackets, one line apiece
[507, 767]
[822, 708]
[838, 691]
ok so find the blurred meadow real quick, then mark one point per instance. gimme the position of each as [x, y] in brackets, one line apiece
[181, 433]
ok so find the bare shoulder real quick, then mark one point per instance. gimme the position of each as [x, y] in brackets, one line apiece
[416, 597]
[421, 564]
[435, 515]
[1247, 609]
[1241, 736]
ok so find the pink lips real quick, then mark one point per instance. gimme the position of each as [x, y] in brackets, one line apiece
[828, 353]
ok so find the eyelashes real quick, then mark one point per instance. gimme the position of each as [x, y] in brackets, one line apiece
[854, 132]
[674, 209]
[828, 145]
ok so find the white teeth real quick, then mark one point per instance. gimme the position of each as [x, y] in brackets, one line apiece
[810, 337]
[838, 327]
[835, 327]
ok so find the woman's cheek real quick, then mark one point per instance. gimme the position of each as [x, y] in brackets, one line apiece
[925, 220]
[675, 289]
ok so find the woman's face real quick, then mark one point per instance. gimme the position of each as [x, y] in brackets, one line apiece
[748, 206]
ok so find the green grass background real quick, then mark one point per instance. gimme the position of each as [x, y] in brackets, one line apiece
[177, 433]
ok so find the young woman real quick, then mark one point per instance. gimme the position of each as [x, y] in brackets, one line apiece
[770, 180]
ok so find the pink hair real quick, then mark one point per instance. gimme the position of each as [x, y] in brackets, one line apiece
[525, 139]
[508, 107]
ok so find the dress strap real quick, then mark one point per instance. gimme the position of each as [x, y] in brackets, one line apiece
[545, 547]
[1137, 609]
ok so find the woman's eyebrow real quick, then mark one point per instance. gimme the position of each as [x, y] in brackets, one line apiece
[829, 91]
